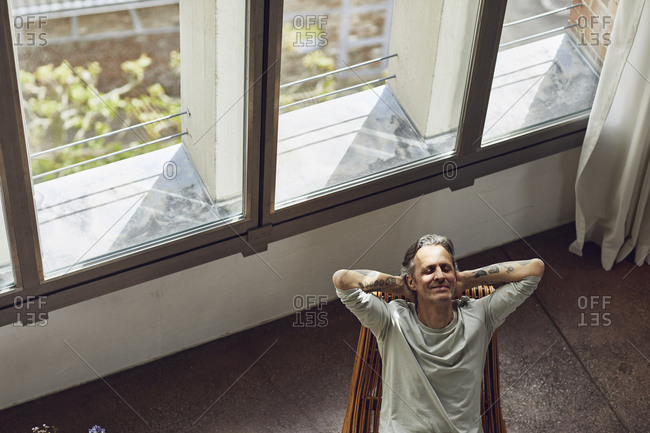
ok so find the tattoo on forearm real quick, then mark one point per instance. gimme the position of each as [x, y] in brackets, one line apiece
[494, 269]
[507, 266]
[367, 272]
[524, 262]
[378, 284]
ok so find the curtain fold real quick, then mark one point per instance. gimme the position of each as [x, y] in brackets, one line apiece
[613, 180]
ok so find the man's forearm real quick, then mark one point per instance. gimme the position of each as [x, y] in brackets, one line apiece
[505, 272]
[368, 281]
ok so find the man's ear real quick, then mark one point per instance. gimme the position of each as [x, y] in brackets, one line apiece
[410, 282]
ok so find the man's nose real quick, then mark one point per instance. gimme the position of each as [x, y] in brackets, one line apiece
[438, 275]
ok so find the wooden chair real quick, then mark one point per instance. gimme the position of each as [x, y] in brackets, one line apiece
[364, 401]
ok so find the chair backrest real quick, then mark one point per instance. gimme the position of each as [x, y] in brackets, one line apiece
[364, 400]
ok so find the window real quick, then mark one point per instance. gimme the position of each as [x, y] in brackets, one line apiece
[273, 118]
[398, 107]
[543, 71]
[104, 126]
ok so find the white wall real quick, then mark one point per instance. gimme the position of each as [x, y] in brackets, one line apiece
[442, 49]
[144, 322]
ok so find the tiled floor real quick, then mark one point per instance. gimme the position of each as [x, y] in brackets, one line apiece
[557, 375]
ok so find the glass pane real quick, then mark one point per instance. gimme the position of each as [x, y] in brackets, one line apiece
[106, 129]
[6, 267]
[342, 121]
[547, 68]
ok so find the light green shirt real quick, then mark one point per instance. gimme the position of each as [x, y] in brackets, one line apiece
[432, 377]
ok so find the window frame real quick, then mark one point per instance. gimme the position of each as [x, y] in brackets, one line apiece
[262, 223]
[471, 160]
[183, 252]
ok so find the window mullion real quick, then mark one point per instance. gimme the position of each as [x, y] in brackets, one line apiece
[484, 57]
[255, 133]
[15, 171]
[270, 97]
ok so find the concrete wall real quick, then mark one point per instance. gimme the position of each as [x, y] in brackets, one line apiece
[163, 316]
[434, 41]
[212, 89]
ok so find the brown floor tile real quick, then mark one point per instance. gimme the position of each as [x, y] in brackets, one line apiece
[603, 317]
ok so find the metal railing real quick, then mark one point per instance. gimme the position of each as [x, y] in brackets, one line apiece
[542, 34]
[108, 155]
[72, 10]
[334, 92]
[347, 68]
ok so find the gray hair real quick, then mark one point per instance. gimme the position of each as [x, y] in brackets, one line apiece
[408, 266]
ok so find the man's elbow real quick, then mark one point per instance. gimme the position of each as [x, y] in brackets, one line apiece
[537, 267]
[337, 278]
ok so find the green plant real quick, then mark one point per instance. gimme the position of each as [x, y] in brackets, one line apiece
[62, 105]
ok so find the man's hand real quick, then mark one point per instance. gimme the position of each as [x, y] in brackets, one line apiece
[498, 273]
[371, 281]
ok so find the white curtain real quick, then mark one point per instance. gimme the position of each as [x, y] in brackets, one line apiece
[613, 181]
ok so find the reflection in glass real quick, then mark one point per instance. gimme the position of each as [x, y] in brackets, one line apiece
[545, 70]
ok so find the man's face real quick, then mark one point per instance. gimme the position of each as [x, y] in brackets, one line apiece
[435, 276]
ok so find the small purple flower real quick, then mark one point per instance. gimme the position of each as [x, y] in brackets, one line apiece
[96, 429]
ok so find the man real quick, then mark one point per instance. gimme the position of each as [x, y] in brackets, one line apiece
[433, 349]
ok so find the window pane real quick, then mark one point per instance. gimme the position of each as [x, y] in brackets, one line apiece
[6, 267]
[547, 69]
[106, 128]
[394, 112]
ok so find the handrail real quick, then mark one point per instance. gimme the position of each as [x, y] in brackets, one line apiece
[74, 8]
[108, 134]
[537, 35]
[534, 17]
[356, 86]
[149, 143]
[347, 68]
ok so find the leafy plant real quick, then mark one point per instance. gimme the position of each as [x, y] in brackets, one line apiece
[62, 105]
